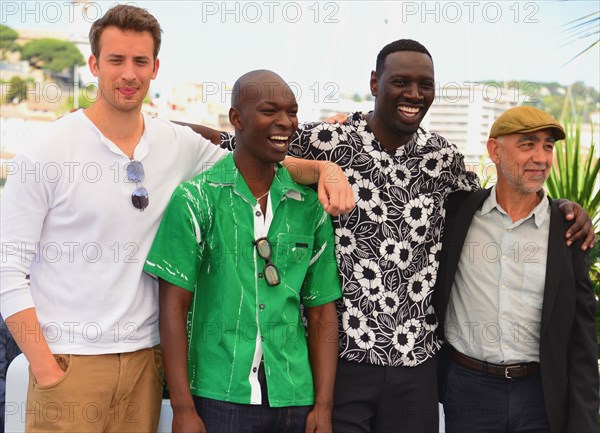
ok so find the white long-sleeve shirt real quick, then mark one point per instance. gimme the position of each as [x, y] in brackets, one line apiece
[67, 220]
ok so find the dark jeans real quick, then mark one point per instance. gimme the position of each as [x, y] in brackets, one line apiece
[224, 417]
[482, 403]
[8, 351]
[375, 399]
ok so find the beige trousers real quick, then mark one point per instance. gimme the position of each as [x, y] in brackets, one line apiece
[114, 393]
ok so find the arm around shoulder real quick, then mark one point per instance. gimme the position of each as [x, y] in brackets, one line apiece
[581, 228]
[335, 192]
[210, 134]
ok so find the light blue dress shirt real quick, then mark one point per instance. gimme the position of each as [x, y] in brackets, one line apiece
[495, 306]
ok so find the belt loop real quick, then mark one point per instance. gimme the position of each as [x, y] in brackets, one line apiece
[484, 368]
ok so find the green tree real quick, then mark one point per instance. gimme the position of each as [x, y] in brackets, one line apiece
[552, 104]
[53, 55]
[16, 90]
[7, 39]
[87, 96]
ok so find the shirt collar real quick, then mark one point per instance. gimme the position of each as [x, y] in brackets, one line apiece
[419, 139]
[227, 174]
[539, 213]
[142, 147]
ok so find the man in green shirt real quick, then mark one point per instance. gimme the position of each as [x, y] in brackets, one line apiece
[245, 246]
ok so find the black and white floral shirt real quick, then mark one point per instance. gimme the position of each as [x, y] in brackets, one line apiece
[388, 246]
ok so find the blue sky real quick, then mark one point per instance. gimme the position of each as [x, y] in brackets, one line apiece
[329, 46]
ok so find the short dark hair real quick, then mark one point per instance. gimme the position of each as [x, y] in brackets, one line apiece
[399, 45]
[126, 17]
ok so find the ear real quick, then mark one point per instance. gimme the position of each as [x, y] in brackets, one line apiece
[493, 147]
[93, 64]
[235, 119]
[156, 65]
[373, 82]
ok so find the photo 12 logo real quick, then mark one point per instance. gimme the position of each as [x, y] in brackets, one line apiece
[326, 93]
[270, 12]
[469, 11]
[28, 12]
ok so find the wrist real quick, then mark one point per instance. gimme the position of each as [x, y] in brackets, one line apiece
[322, 166]
[46, 369]
[183, 409]
[182, 402]
[48, 375]
[323, 405]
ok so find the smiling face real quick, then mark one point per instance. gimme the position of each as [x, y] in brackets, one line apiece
[124, 67]
[264, 117]
[523, 160]
[403, 92]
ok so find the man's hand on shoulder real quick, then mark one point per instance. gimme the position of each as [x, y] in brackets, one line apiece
[336, 118]
[582, 227]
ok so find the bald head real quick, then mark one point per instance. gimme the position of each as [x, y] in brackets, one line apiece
[258, 85]
[264, 114]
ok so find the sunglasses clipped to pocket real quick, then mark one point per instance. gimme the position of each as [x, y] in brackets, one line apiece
[265, 251]
[139, 196]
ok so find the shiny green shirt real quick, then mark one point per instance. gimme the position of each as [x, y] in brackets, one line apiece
[205, 245]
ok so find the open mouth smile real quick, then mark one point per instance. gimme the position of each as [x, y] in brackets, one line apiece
[279, 141]
[408, 111]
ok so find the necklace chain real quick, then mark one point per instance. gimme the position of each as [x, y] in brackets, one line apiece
[262, 196]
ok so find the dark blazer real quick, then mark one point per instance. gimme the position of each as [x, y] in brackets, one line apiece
[568, 345]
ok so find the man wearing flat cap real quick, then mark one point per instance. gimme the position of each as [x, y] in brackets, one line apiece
[518, 303]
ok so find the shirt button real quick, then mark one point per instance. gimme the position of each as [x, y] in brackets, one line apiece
[262, 338]
[503, 287]
[261, 306]
[375, 313]
[503, 258]
[254, 370]
[260, 275]
[509, 230]
[505, 347]
[258, 213]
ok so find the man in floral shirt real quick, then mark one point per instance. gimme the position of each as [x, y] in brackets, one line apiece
[388, 246]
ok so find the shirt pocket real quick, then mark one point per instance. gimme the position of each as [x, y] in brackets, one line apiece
[292, 257]
[532, 289]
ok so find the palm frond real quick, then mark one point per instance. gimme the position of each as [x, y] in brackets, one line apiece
[584, 28]
[574, 175]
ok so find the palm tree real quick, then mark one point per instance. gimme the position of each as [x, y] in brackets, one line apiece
[574, 176]
[586, 27]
